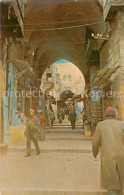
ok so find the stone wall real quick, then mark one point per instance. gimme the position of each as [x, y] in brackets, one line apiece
[2, 88]
[15, 51]
[111, 55]
[110, 52]
[120, 18]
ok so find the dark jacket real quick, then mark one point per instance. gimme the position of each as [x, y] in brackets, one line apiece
[72, 115]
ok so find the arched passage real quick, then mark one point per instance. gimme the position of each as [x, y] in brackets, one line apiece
[65, 76]
[58, 30]
[63, 81]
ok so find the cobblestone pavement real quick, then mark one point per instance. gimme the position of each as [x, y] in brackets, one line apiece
[58, 144]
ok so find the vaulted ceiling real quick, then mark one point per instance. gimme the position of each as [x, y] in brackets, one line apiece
[56, 29]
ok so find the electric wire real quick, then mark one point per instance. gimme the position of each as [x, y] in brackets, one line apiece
[61, 28]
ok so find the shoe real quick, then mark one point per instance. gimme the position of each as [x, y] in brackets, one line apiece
[27, 155]
[37, 153]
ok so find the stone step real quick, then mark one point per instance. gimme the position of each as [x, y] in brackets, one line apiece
[57, 146]
[67, 127]
[66, 136]
[51, 150]
[50, 192]
[63, 131]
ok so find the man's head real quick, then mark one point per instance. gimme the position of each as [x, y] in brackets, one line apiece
[41, 113]
[110, 112]
[32, 112]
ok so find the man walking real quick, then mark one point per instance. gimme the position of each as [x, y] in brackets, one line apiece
[72, 117]
[52, 117]
[42, 124]
[31, 132]
[60, 116]
[109, 138]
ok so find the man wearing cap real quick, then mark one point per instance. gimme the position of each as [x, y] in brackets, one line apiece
[109, 138]
[31, 132]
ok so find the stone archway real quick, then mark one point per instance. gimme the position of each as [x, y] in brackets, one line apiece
[48, 37]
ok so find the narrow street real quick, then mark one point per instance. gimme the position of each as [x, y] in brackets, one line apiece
[65, 165]
[61, 97]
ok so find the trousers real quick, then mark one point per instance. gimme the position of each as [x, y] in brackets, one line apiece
[30, 138]
[42, 134]
[115, 192]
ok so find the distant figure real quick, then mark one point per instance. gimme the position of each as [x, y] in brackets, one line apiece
[67, 110]
[84, 115]
[60, 116]
[36, 111]
[109, 139]
[31, 132]
[72, 117]
[42, 124]
[63, 113]
[52, 117]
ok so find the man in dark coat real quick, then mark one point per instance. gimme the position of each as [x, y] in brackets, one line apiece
[31, 132]
[72, 117]
[109, 138]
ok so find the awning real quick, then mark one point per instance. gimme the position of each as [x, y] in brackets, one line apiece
[80, 99]
[102, 76]
[76, 97]
[25, 79]
[22, 65]
[73, 99]
[68, 100]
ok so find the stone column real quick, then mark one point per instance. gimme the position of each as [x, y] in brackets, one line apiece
[2, 88]
[7, 98]
[121, 98]
[121, 45]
